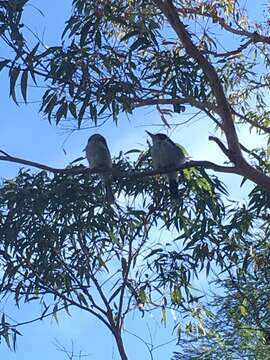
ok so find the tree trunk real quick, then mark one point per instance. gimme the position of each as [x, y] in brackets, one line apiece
[120, 344]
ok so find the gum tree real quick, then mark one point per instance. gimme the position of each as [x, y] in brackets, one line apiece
[58, 239]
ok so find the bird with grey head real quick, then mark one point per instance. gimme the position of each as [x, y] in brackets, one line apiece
[99, 157]
[167, 155]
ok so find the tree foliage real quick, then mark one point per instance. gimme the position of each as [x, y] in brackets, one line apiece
[61, 245]
[238, 326]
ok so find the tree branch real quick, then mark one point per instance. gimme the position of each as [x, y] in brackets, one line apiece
[246, 150]
[175, 101]
[203, 11]
[39, 318]
[117, 173]
[220, 145]
[37, 165]
[232, 52]
[59, 294]
[252, 122]
[170, 12]
[224, 109]
[242, 168]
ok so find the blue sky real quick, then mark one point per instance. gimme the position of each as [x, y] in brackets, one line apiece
[24, 133]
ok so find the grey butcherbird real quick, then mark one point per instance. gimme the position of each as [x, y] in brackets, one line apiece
[167, 155]
[99, 157]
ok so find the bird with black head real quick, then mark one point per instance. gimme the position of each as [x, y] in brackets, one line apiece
[167, 155]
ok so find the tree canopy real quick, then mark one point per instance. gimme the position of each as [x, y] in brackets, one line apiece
[62, 245]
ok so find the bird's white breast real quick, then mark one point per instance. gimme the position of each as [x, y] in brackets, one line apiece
[98, 155]
[165, 154]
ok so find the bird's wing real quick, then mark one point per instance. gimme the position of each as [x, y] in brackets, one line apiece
[180, 151]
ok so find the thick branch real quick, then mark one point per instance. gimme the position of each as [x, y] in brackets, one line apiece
[242, 168]
[17, 160]
[259, 178]
[170, 12]
[120, 345]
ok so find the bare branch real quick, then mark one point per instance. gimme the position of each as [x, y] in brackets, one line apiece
[203, 11]
[115, 172]
[252, 153]
[221, 145]
[149, 346]
[174, 101]
[17, 160]
[232, 52]
[4, 153]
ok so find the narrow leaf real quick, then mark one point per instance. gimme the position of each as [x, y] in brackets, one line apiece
[24, 80]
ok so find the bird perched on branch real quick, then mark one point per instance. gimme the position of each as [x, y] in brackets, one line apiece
[99, 157]
[167, 155]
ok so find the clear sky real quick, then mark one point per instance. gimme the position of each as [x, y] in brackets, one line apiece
[24, 133]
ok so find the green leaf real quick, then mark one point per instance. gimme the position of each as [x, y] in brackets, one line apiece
[33, 51]
[243, 181]
[61, 112]
[98, 39]
[153, 252]
[24, 80]
[132, 151]
[138, 43]
[93, 112]
[81, 114]
[129, 35]
[85, 32]
[77, 160]
[243, 310]
[54, 313]
[13, 74]
[72, 109]
[176, 296]
[115, 293]
[82, 299]
[66, 307]
[163, 315]
[179, 333]
[6, 337]
[51, 102]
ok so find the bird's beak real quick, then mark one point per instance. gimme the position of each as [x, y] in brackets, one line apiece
[150, 134]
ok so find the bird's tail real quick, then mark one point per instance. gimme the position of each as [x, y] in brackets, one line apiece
[175, 196]
[108, 191]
